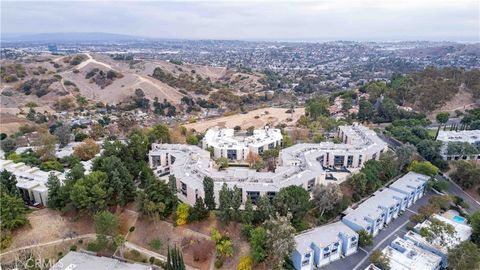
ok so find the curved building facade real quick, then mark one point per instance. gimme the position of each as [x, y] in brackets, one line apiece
[303, 165]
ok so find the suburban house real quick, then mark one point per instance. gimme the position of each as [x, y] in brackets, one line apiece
[84, 261]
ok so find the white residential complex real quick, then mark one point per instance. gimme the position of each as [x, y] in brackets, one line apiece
[303, 164]
[225, 144]
[469, 136]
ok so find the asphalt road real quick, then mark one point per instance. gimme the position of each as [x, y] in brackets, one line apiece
[454, 189]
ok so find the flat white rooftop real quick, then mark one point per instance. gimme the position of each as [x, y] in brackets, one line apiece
[404, 255]
[470, 136]
[322, 236]
[82, 261]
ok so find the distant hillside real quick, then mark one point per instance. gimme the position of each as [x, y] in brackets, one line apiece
[67, 37]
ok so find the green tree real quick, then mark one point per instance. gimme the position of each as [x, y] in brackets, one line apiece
[222, 163]
[46, 146]
[280, 239]
[63, 134]
[192, 139]
[466, 255]
[379, 259]
[438, 232]
[326, 197]
[121, 188]
[423, 167]
[209, 195]
[8, 183]
[8, 145]
[248, 213]
[475, 223]
[12, 212]
[56, 199]
[264, 210]
[294, 200]
[156, 201]
[236, 202]
[316, 108]
[90, 192]
[442, 117]
[365, 111]
[174, 259]
[258, 244]
[364, 239]
[106, 223]
[467, 174]
[199, 210]
[160, 133]
[405, 154]
[225, 204]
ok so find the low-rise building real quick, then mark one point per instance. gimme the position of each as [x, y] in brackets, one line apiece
[440, 245]
[31, 181]
[405, 255]
[464, 136]
[412, 184]
[84, 261]
[323, 245]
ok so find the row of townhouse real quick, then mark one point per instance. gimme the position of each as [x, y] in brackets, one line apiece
[328, 243]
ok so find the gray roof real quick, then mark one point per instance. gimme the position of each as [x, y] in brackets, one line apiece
[83, 261]
[410, 182]
[322, 236]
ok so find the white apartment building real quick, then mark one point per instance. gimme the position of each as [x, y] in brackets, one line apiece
[470, 136]
[31, 181]
[323, 245]
[225, 144]
[405, 255]
[302, 164]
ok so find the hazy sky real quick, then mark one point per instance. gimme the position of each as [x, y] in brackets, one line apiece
[457, 20]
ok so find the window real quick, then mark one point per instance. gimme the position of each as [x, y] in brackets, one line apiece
[253, 195]
[350, 161]
[156, 161]
[339, 161]
[311, 185]
[184, 188]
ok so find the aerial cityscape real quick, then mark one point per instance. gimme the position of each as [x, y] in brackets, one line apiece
[297, 135]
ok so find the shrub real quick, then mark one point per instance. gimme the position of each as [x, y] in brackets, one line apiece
[218, 263]
[151, 260]
[131, 229]
[73, 248]
[155, 244]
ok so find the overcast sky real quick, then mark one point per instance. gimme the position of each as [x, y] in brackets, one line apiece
[457, 20]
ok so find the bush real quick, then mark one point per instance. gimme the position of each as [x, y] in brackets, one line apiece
[155, 244]
[131, 229]
[218, 263]
[151, 260]
[73, 248]
[440, 185]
